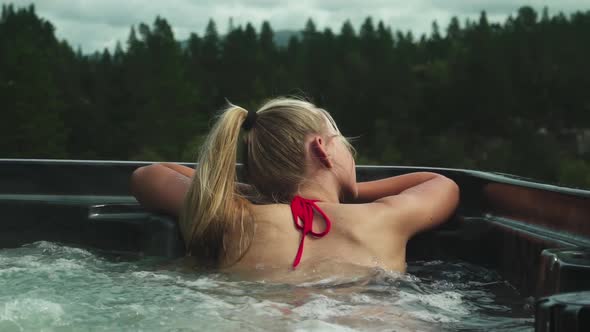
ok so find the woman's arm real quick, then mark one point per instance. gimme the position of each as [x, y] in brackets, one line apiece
[184, 170]
[161, 187]
[373, 190]
[421, 206]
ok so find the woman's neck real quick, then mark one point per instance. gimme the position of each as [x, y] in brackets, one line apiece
[322, 186]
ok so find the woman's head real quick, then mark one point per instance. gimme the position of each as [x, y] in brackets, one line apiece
[278, 145]
[288, 139]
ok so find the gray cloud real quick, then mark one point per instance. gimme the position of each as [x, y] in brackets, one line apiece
[506, 7]
[96, 24]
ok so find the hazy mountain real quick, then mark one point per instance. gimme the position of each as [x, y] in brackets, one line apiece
[281, 38]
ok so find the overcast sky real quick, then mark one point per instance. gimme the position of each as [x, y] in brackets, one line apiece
[96, 24]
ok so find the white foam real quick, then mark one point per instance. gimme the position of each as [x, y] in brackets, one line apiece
[449, 306]
[24, 261]
[318, 325]
[28, 309]
[268, 308]
[201, 283]
[321, 282]
[362, 299]
[54, 247]
[135, 309]
[435, 262]
[33, 264]
[432, 317]
[12, 270]
[66, 265]
[207, 301]
[150, 275]
[323, 307]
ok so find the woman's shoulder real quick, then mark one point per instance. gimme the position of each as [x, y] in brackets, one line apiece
[372, 210]
[400, 218]
[363, 217]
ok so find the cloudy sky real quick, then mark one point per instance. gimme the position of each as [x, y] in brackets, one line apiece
[96, 24]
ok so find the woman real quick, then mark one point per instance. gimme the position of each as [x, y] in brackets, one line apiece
[302, 209]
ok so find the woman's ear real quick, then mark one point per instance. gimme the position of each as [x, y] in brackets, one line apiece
[319, 152]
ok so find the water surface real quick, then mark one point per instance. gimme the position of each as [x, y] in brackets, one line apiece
[47, 286]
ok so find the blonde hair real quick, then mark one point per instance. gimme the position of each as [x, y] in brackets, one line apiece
[274, 166]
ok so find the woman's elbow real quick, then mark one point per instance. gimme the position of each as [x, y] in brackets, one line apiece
[453, 192]
[144, 181]
[453, 186]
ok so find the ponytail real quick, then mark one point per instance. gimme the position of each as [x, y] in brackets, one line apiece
[214, 211]
[213, 207]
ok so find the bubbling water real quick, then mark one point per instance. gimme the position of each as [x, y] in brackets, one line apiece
[53, 287]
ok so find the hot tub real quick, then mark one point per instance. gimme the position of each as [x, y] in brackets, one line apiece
[511, 244]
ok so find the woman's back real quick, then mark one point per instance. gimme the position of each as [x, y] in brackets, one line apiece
[356, 242]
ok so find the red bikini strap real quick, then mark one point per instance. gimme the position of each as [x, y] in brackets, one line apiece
[302, 210]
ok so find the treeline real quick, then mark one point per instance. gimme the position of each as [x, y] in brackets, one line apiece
[511, 97]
